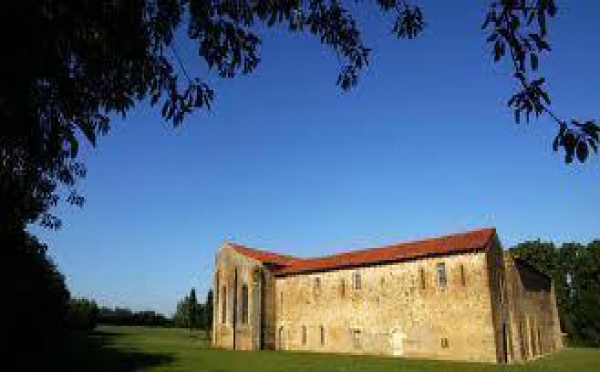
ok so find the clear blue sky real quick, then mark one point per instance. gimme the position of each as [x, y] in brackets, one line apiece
[285, 161]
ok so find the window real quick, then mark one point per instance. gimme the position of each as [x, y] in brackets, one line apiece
[445, 343]
[317, 287]
[441, 275]
[281, 300]
[356, 339]
[463, 276]
[342, 288]
[357, 284]
[422, 277]
[303, 335]
[322, 335]
[223, 305]
[244, 304]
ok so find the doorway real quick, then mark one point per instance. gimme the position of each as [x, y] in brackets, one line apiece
[280, 339]
[397, 341]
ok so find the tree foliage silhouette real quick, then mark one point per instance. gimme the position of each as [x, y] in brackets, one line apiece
[75, 62]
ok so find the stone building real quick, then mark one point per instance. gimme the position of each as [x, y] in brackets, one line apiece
[454, 297]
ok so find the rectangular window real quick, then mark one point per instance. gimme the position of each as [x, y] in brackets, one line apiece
[357, 279]
[441, 275]
[422, 277]
[244, 304]
[322, 336]
[463, 276]
[445, 343]
[356, 339]
[317, 287]
[303, 335]
[281, 300]
[342, 288]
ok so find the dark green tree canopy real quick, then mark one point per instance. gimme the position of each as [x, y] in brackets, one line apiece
[75, 62]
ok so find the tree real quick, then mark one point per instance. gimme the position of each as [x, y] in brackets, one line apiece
[187, 314]
[193, 311]
[207, 320]
[37, 304]
[83, 314]
[79, 61]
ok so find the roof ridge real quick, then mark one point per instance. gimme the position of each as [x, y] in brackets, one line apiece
[399, 244]
[445, 244]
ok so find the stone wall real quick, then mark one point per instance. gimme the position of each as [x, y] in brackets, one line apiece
[499, 300]
[391, 313]
[233, 272]
[533, 314]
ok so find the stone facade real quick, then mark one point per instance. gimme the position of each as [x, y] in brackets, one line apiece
[472, 304]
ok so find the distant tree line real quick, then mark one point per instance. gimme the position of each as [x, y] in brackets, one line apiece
[84, 315]
[125, 316]
[575, 270]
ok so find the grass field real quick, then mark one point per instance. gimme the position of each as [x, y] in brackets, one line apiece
[154, 349]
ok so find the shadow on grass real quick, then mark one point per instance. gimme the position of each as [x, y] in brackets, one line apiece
[96, 352]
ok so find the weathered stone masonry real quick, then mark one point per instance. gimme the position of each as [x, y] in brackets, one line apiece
[455, 297]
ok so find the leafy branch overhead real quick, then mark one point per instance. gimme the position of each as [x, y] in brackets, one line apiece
[518, 32]
[81, 61]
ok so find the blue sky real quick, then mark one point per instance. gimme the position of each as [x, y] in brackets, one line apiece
[286, 161]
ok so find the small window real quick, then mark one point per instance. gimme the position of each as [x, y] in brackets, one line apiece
[357, 283]
[342, 288]
[244, 304]
[317, 287]
[445, 343]
[281, 300]
[303, 335]
[224, 305]
[322, 336]
[356, 339]
[463, 276]
[422, 277]
[441, 275]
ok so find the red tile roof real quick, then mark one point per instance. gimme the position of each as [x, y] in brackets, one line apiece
[455, 243]
[262, 256]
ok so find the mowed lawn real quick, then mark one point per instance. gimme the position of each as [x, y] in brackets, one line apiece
[114, 348]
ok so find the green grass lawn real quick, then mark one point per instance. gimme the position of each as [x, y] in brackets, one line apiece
[154, 349]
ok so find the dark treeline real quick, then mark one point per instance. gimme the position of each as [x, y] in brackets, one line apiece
[85, 314]
[124, 316]
[575, 271]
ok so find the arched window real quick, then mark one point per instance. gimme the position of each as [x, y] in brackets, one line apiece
[244, 303]
[223, 304]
